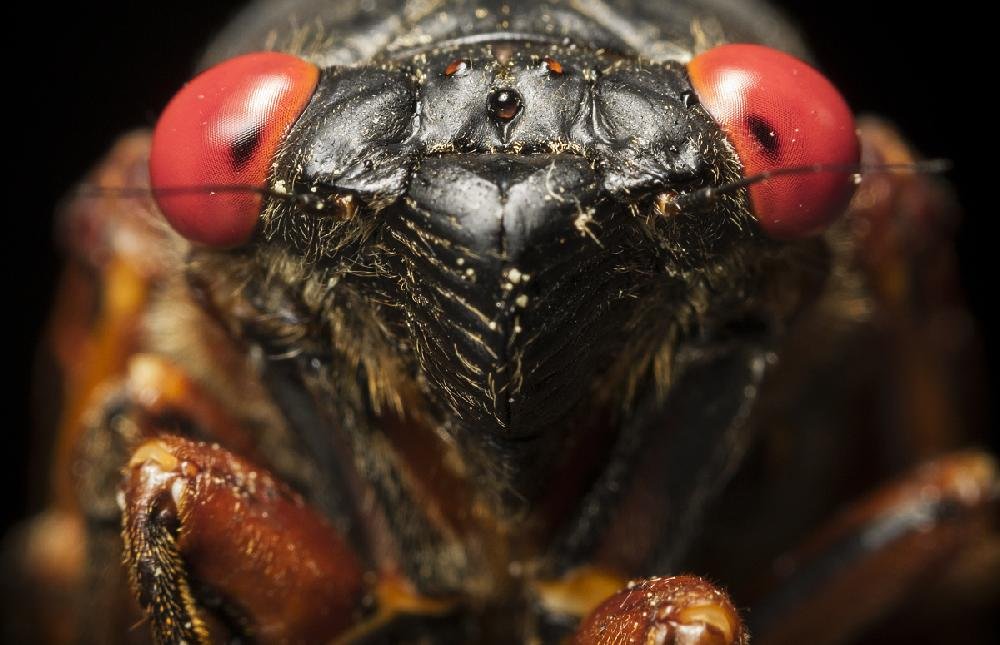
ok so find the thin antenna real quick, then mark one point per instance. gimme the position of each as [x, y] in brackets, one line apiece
[676, 203]
[307, 199]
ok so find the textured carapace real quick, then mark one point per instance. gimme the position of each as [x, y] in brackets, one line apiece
[214, 144]
[779, 112]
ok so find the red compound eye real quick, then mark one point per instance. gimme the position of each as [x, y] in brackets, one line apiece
[778, 112]
[220, 134]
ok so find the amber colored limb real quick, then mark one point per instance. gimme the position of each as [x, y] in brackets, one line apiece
[880, 552]
[203, 526]
[684, 610]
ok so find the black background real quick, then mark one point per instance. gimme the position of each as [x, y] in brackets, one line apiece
[94, 70]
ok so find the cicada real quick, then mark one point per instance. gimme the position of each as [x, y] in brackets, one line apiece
[508, 322]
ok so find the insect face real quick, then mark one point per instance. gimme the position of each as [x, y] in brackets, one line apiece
[502, 254]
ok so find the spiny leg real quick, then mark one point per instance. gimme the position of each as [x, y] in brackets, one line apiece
[154, 398]
[276, 570]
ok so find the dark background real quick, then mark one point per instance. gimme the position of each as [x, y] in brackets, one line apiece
[95, 70]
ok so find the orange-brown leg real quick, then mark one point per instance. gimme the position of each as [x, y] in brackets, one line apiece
[933, 530]
[683, 610]
[274, 569]
[911, 536]
[203, 527]
[239, 531]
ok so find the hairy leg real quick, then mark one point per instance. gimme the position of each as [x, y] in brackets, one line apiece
[195, 514]
[684, 610]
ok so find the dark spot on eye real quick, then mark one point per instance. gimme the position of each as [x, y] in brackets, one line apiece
[765, 135]
[242, 149]
[505, 104]
[457, 67]
[555, 67]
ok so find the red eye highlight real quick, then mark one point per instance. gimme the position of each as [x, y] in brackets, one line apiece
[221, 131]
[779, 112]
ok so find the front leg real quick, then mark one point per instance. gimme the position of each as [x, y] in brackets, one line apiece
[869, 561]
[934, 531]
[682, 610]
[272, 568]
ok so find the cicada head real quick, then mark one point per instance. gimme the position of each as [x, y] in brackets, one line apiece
[482, 233]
